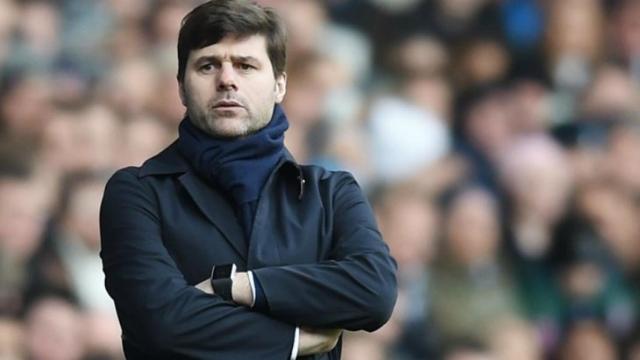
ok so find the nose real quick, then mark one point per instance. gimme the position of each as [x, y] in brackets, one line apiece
[226, 77]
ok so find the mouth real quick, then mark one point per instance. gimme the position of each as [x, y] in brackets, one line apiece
[227, 104]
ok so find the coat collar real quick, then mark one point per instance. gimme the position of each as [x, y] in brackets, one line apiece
[170, 161]
[213, 205]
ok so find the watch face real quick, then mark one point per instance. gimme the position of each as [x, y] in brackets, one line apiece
[224, 271]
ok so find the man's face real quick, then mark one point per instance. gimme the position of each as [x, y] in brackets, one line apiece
[229, 88]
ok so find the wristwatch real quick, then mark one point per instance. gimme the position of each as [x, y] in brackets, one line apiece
[222, 280]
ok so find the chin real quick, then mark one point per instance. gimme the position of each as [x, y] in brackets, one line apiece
[231, 134]
[227, 124]
[229, 128]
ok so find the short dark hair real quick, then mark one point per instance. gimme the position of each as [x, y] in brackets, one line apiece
[211, 21]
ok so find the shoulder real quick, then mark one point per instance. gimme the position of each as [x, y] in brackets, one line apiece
[129, 174]
[334, 184]
[322, 174]
[167, 162]
[125, 182]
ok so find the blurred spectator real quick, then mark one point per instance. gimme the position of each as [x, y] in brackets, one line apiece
[67, 263]
[420, 64]
[39, 34]
[23, 212]
[574, 40]
[96, 134]
[131, 86]
[482, 60]
[68, 258]
[457, 18]
[419, 54]
[515, 339]
[626, 34]
[310, 78]
[534, 172]
[574, 44]
[409, 131]
[588, 341]
[611, 94]
[26, 105]
[591, 287]
[624, 148]
[470, 274]
[59, 145]
[408, 221]
[143, 137]
[535, 175]
[483, 129]
[53, 330]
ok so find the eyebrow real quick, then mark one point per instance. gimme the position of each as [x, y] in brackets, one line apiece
[234, 58]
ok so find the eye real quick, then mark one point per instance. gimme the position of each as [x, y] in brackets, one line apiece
[206, 68]
[245, 66]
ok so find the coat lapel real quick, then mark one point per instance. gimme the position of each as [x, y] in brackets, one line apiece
[214, 206]
[217, 209]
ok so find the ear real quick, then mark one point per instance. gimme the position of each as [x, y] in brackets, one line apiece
[183, 97]
[281, 87]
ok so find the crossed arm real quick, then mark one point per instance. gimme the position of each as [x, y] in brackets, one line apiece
[163, 314]
[310, 341]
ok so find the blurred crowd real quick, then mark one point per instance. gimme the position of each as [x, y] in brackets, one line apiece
[496, 140]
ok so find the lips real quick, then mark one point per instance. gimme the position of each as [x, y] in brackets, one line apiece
[227, 104]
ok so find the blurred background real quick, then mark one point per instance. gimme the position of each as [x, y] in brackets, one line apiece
[498, 142]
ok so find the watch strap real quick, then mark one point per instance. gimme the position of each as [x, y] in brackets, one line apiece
[222, 280]
[223, 288]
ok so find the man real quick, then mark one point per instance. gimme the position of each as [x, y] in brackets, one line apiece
[309, 258]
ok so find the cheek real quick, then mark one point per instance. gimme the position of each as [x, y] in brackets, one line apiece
[197, 91]
[261, 89]
[258, 98]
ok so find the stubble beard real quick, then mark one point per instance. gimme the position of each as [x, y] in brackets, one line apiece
[227, 123]
[221, 123]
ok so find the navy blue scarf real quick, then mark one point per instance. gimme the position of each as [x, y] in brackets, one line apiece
[241, 166]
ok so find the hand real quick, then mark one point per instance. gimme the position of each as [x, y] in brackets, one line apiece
[317, 341]
[240, 290]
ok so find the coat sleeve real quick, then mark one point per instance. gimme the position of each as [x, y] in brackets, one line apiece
[355, 290]
[159, 312]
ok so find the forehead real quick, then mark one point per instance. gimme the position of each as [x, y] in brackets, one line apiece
[233, 46]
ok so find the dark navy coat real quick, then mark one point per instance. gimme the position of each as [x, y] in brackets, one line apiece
[314, 247]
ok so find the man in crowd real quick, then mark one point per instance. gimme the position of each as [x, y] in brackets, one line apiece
[222, 246]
